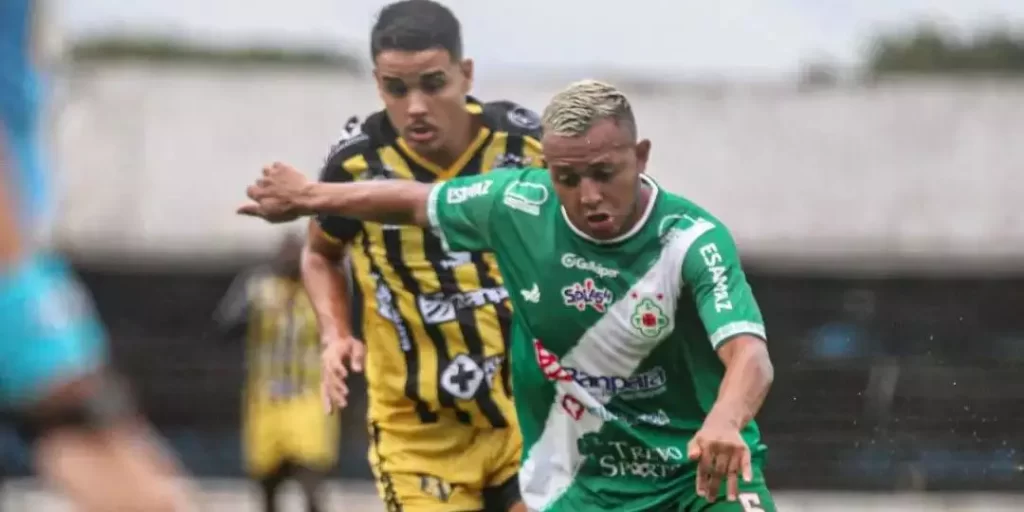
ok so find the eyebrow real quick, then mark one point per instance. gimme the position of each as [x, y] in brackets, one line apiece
[421, 76]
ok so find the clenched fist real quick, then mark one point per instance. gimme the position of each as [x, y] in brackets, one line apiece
[279, 196]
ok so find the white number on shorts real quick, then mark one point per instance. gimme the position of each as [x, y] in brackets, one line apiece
[750, 502]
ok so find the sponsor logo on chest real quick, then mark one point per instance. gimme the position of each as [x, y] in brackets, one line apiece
[570, 260]
[587, 294]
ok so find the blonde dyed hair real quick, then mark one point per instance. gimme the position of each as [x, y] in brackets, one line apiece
[578, 107]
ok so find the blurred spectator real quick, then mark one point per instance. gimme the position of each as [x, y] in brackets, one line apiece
[286, 432]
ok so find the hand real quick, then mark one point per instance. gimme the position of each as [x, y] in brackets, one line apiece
[720, 453]
[277, 195]
[340, 354]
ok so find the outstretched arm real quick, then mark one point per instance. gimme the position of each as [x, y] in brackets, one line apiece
[283, 194]
[748, 376]
[461, 211]
[386, 202]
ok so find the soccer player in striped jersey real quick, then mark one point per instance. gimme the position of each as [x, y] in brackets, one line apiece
[444, 432]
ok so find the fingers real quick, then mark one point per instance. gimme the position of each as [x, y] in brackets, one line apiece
[732, 485]
[746, 466]
[357, 357]
[718, 461]
[693, 450]
[251, 210]
[336, 390]
[325, 398]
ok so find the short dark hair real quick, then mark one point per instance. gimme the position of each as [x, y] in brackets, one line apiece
[414, 26]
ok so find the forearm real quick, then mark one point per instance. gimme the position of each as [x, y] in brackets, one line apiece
[388, 202]
[748, 377]
[327, 289]
[10, 239]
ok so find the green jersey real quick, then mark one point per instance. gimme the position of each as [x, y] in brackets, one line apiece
[613, 342]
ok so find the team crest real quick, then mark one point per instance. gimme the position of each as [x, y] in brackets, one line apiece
[649, 318]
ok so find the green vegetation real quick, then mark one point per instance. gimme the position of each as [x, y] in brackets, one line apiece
[112, 49]
[933, 50]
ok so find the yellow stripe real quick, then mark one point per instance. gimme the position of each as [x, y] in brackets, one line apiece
[453, 170]
[533, 152]
[355, 166]
[415, 258]
[497, 147]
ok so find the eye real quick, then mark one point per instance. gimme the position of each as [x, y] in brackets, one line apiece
[432, 84]
[601, 175]
[568, 179]
[395, 87]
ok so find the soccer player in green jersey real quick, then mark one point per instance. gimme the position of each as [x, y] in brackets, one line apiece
[638, 350]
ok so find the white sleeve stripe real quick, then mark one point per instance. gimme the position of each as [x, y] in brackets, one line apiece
[729, 330]
[435, 222]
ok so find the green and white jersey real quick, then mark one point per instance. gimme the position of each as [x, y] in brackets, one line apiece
[613, 342]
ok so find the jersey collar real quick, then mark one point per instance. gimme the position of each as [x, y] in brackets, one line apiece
[636, 227]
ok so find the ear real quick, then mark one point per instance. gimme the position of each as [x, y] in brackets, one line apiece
[466, 67]
[643, 153]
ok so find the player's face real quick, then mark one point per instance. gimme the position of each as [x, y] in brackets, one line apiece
[424, 94]
[597, 178]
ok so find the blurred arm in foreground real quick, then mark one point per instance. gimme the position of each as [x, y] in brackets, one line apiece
[87, 436]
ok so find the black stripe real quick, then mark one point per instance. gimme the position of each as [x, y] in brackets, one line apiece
[467, 325]
[396, 259]
[412, 356]
[419, 173]
[504, 318]
[358, 299]
[390, 498]
[514, 146]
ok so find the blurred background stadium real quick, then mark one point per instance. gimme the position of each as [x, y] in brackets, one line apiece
[866, 157]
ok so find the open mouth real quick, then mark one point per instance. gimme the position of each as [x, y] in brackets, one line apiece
[421, 133]
[599, 222]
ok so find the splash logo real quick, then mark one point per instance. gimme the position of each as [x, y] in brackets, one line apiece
[582, 295]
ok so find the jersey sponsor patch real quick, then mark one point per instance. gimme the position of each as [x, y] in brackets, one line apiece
[714, 261]
[645, 384]
[458, 195]
[464, 375]
[526, 197]
[439, 308]
[587, 294]
[570, 260]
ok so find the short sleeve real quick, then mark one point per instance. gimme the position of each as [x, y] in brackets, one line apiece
[462, 210]
[725, 302]
[343, 164]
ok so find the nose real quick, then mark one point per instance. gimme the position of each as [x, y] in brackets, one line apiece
[590, 193]
[417, 106]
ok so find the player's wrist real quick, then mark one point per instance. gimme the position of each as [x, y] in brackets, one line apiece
[727, 416]
[311, 197]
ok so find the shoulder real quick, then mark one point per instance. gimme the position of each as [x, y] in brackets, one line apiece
[684, 223]
[345, 159]
[512, 118]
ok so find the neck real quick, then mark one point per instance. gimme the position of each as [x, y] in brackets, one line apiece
[643, 199]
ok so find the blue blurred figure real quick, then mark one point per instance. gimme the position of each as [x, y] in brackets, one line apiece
[86, 436]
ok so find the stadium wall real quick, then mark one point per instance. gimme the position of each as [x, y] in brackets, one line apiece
[904, 175]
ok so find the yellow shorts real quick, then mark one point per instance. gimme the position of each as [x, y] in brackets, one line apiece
[296, 430]
[444, 467]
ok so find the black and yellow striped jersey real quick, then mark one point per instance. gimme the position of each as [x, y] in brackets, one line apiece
[282, 338]
[435, 323]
